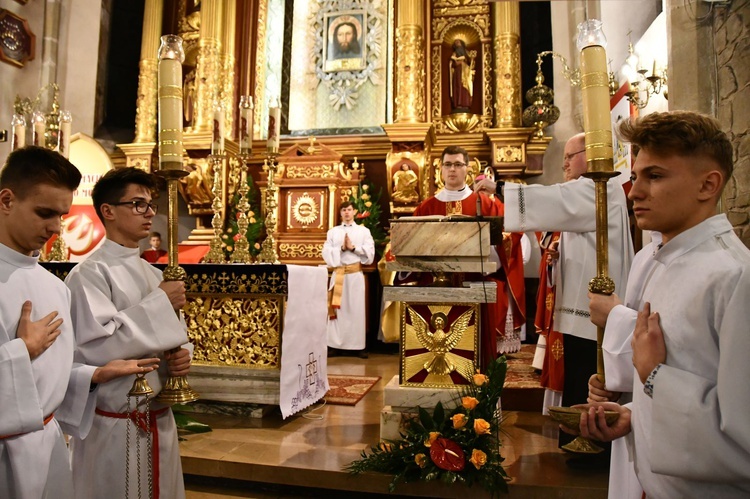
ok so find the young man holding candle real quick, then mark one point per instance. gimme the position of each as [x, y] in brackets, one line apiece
[121, 305]
[42, 391]
[688, 425]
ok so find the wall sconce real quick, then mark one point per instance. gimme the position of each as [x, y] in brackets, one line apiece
[542, 113]
[643, 85]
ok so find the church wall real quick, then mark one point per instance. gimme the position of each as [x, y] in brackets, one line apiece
[22, 81]
[78, 62]
[731, 28]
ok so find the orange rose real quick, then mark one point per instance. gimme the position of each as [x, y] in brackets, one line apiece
[421, 460]
[433, 436]
[481, 427]
[459, 421]
[469, 402]
[478, 458]
[480, 379]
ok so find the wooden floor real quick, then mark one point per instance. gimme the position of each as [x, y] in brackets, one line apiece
[303, 455]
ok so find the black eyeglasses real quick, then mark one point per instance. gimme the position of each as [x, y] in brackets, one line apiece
[454, 165]
[568, 157]
[141, 207]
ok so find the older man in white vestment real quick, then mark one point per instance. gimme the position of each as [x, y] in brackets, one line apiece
[570, 208]
[41, 389]
[348, 247]
[687, 426]
[122, 307]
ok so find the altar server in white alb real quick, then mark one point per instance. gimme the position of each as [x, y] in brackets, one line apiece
[348, 247]
[122, 307]
[42, 391]
[688, 424]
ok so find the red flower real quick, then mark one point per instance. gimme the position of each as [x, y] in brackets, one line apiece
[362, 215]
[447, 455]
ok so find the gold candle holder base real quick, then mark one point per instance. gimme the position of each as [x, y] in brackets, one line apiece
[241, 253]
[216, 253]
[570, 417]
[268, 252]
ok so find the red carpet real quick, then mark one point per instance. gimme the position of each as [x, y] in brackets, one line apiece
[348, 389]
[520, 373]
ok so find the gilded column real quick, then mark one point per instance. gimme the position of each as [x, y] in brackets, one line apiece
[227, 65]
[507, 48]
[145, 113]
[410, 63]
[208, 67]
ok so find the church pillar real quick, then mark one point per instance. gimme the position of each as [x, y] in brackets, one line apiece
[507, 49]
[145, 114]
[208, 68]
[227, 65]
[410, 63]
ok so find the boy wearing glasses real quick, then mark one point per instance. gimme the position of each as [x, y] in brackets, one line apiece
[507, 314]
[43, 390]
[123, 307]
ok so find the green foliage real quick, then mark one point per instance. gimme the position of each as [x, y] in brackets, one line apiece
[254, 228]
[473, 425]
[367, 202]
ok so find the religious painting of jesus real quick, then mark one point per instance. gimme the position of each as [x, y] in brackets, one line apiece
[344, 48]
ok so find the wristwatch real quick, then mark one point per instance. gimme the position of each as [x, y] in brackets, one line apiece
[500, 185]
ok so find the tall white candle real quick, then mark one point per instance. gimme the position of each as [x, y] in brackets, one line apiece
[18, 127]
[274, 126]
[217, 130]
[171, 56]
[245, 128]
[63, 137]
[39, 124]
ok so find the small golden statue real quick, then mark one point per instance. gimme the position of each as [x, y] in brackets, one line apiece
[404, 185]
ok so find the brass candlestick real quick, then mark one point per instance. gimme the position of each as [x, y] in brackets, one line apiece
[171, 55]
[599, 154]
[241, 253]
[215, 253]
[176, 389]
[268, 252]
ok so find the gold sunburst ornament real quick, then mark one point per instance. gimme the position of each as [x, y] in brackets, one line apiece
[305, 209]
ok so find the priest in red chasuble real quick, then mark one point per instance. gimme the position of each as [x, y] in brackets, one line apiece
[501, 320]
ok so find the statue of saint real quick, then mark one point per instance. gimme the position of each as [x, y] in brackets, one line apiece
[461, 77]
[404, 185]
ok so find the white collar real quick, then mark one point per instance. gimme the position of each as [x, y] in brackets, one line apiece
[446, 196]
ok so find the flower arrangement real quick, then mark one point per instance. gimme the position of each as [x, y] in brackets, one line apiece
[254, 228]
[367, 203]
[462, 445]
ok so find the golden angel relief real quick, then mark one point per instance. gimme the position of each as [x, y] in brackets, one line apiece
[446, 345]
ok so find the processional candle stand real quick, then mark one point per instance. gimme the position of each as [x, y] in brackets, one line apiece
[171, 54]
[597, 124]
